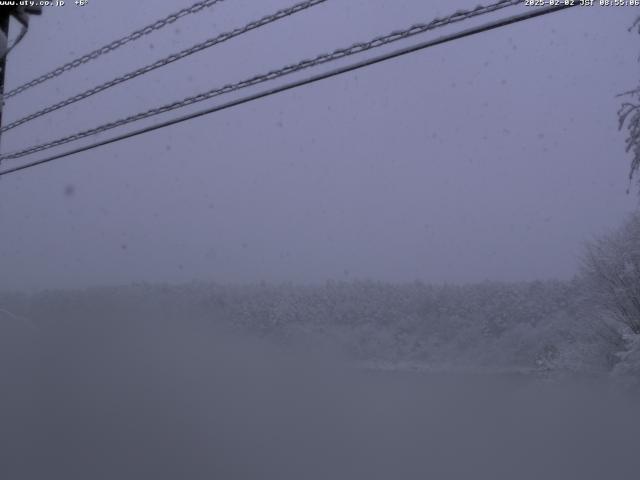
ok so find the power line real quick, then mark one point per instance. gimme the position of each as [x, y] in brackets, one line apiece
[24, 28]
[22, 13]
[223, 37]
[356, 48]
[133, 36]
[315, 78]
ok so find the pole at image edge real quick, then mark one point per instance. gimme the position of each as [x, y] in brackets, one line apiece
[5, 15]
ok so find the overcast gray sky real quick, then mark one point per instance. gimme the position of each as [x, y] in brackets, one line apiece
[493, 157]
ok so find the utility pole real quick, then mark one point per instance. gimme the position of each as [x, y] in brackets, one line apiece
[21, 14]
[5, 16]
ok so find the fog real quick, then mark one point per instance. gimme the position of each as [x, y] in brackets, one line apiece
[168, 399]
[426, 268]
[493, 157]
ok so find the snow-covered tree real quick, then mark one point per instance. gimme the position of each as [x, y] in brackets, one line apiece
[611, 267]
[629, 117]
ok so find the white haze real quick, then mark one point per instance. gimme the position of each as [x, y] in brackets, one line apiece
[372, 277]
[493, 157]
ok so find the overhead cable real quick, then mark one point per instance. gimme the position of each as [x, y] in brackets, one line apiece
[296, 84]
[133, 36]
[289, 86]
[272, 75]
[223, 37]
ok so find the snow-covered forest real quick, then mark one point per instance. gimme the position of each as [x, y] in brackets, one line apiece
[586, 326]
[529, 325]
[291, 381]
